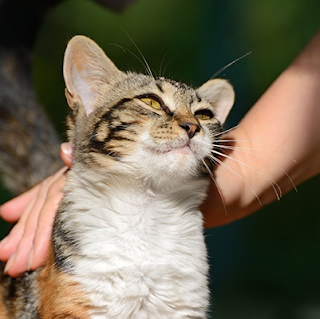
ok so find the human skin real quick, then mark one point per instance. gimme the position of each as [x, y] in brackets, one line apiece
[278, 140]
[282, 131]
[26, 246]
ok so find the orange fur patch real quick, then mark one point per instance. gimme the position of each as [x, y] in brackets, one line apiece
[3, 308]
[60, 296]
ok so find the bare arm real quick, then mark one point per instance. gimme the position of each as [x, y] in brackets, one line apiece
[283, 131]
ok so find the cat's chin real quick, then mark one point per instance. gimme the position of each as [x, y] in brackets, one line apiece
[165, 170]
[185, 150]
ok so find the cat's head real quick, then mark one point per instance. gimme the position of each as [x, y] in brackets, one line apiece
[134, 124]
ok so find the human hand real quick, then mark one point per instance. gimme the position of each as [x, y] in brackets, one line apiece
[26, 246]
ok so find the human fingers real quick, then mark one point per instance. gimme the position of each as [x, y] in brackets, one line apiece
[42, 237]
[15, 263]
[9, 244]
[18, 260]
[11, 211]
[66, 153]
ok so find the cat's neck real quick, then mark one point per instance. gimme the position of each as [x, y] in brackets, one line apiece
[123, 192]
[143, 240]
[114, 209]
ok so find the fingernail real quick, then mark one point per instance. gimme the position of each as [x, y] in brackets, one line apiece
[3, 241]
[9, 263]
[66, 148]
[30, 259]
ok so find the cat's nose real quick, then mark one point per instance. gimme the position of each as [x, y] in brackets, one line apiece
[190, 128]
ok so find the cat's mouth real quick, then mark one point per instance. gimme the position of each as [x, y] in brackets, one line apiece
[182, 150]
[167, 148]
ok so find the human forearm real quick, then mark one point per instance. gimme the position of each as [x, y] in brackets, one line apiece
[279, 138]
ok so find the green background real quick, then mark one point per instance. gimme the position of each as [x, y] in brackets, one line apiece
[267, 265]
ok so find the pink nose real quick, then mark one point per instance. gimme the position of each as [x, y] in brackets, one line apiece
[190, 128]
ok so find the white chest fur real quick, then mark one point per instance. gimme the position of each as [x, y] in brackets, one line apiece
[141, 256]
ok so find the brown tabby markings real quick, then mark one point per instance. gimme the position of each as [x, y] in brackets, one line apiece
[60, 296]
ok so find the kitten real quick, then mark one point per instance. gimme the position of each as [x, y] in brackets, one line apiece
[128, 238]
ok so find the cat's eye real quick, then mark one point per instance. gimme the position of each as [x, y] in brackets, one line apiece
[203, 115]
[151, 102]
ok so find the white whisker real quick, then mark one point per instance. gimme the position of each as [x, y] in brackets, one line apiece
[228, 141]
[226, 131]
[229, 64]
[165, 68]
[127, 50]
[217, 186]
[272, 182]
[258, 149]
[143, 58]
[237, 174]
[247, 151]
[92, 136]
[160, 69]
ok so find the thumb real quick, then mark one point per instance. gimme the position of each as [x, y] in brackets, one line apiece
[66, 154]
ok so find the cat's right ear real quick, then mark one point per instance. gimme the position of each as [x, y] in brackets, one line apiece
[87, 71]
[220, 94]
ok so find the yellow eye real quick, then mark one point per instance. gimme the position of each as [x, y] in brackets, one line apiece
[203, 115]
[153, 103]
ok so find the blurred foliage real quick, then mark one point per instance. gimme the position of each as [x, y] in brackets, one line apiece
[265, 266]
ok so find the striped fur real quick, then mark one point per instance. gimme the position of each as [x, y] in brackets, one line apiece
[128, 239]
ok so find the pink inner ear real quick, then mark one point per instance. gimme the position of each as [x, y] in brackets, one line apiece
[222, 111]
[86, 72]
[224, 105]
[81, 83]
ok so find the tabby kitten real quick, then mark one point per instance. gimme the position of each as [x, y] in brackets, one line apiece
[128, 238]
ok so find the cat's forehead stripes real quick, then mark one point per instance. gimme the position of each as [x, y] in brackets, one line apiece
[115, 129]
[171, 92]
[175, 95]
[182, 100]
[159, 86]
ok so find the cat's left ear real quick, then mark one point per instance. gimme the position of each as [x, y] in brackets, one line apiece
[87, 71]
[220, 94]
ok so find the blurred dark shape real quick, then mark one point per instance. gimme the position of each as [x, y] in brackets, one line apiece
[20, 20]
[116, 5]
[29, 144]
